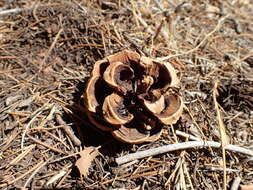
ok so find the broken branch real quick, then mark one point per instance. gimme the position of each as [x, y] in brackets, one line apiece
[180, 146]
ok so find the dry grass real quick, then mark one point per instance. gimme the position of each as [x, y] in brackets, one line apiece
[47, 50]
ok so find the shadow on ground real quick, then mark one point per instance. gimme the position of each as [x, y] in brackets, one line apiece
[86, 131]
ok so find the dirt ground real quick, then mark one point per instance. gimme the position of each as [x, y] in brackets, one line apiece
[47, 50]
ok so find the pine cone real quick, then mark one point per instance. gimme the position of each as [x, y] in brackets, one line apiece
[129, 95]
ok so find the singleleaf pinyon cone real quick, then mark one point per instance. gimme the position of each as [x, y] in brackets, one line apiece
[129, 95]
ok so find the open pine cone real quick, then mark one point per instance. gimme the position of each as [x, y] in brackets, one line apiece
[129, 95]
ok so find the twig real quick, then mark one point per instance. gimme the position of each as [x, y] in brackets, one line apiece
[19, 10]
[180, 146]
[212, 168]
[188, 136]
[14, 11]
[68, 131]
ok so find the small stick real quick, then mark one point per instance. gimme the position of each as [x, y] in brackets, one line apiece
[68, 131]
[188, 136]
[179, 146]
[236, 183]
[212, 168]
[19, 10]
[14, 11]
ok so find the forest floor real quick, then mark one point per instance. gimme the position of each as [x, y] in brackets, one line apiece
[47, 50]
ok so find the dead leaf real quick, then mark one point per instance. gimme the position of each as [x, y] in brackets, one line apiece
[84, 162]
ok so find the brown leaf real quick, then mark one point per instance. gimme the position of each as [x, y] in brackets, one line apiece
[84, 162]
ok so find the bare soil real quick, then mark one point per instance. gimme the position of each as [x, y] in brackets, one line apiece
[47, 50]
